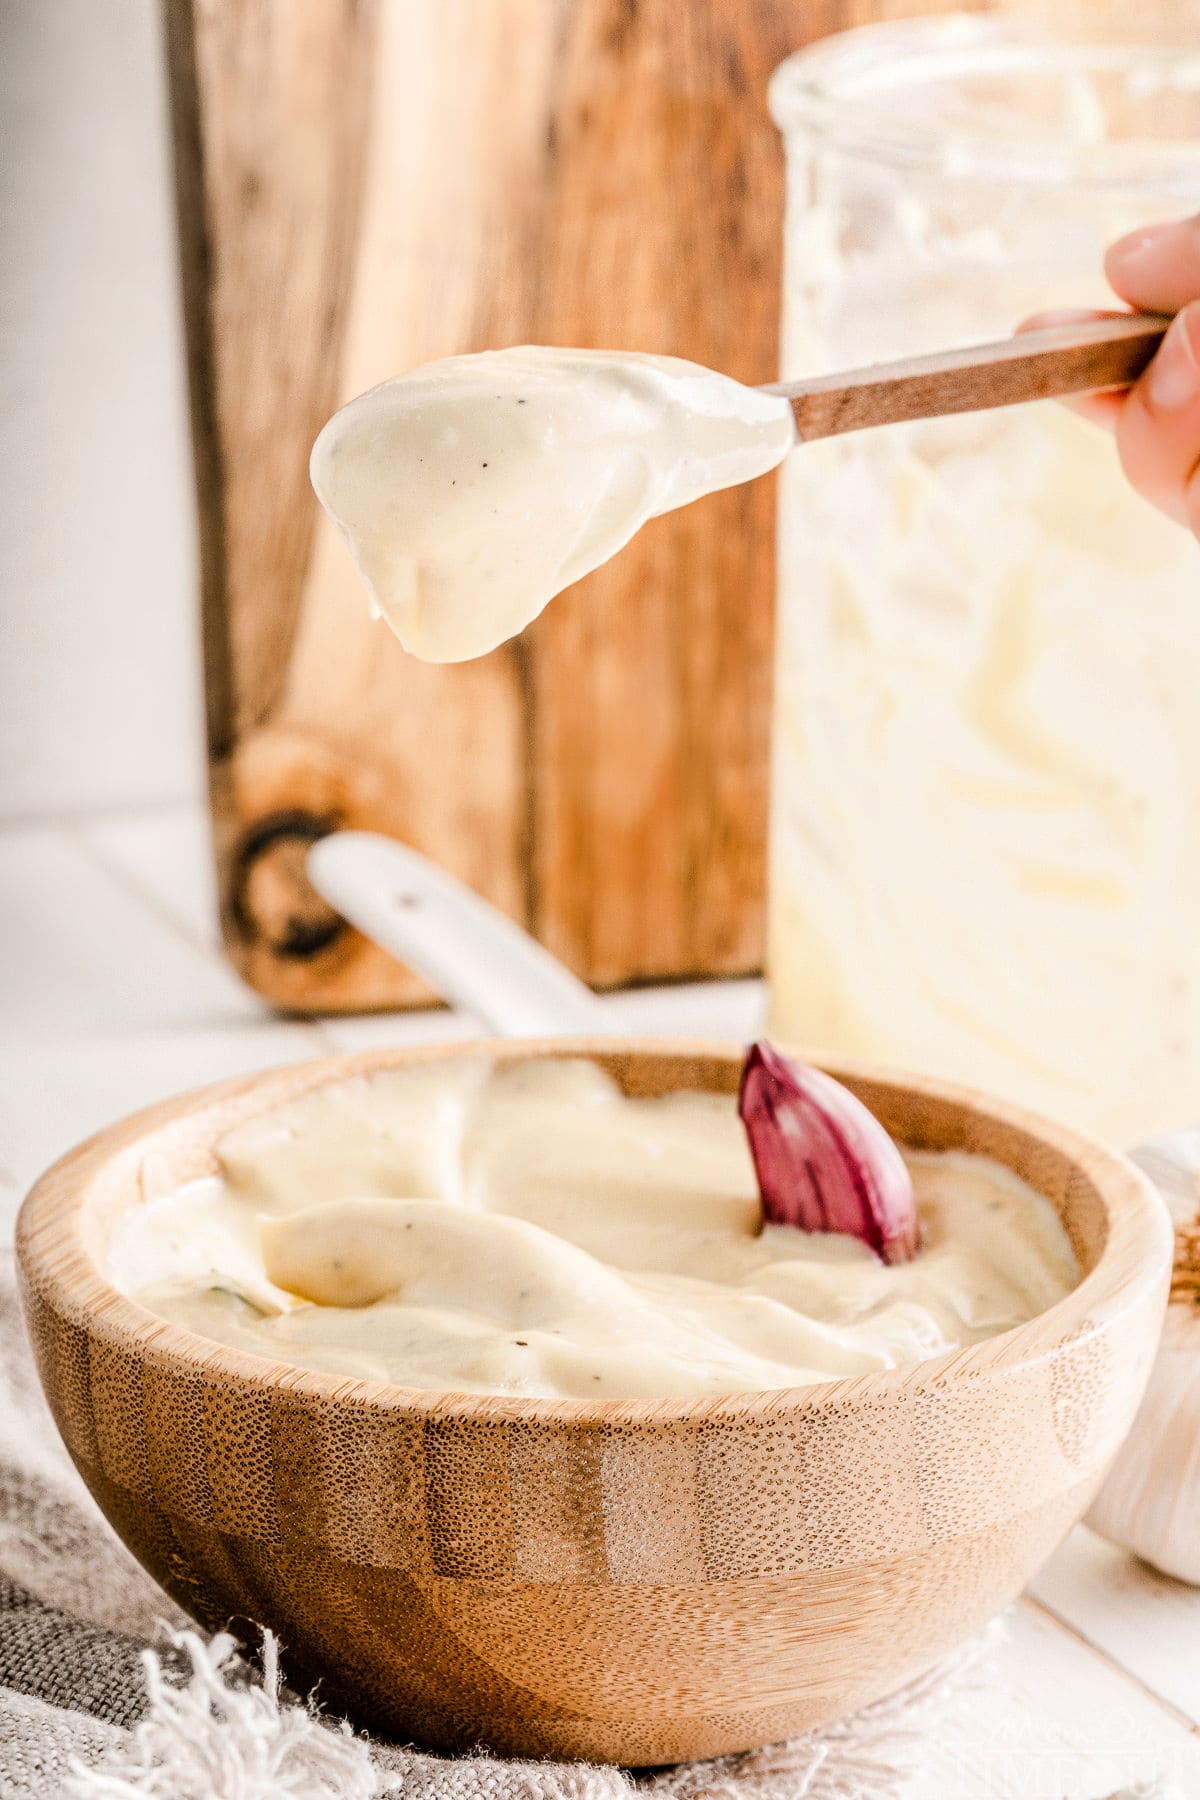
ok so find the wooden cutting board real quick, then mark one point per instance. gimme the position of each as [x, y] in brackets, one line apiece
[364, 185]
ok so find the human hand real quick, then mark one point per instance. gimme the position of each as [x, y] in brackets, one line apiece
[1156, 422]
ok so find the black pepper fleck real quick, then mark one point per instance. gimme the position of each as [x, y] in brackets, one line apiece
[521, 1343]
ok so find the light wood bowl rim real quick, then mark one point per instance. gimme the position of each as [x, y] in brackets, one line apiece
[53, 1257]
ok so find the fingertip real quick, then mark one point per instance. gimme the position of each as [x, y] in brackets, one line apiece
[1157, 268]
[1063, 315]
[1128, 251]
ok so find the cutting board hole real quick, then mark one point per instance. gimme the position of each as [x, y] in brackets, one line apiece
[273, 901]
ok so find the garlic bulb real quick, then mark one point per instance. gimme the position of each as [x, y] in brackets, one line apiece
[1150, 1500]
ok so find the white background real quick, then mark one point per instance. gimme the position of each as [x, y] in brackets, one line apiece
[99, 649]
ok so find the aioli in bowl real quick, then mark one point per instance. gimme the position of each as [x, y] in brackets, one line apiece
[527, 1229]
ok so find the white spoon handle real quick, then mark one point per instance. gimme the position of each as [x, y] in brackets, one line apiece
[475, 956]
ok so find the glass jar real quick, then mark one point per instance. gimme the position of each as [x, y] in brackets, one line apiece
[985, 838]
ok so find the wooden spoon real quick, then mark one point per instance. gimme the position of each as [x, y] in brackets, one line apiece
[1034, 365]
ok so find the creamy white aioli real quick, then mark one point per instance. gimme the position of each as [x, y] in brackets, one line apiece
[473, 490]
[527, 1229]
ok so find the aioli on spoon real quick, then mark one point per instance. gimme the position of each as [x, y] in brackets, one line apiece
[472, 490]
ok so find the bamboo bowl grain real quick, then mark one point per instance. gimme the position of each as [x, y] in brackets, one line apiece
[629, 1581]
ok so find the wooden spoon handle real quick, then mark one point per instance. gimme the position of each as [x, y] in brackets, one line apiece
[1034, 365]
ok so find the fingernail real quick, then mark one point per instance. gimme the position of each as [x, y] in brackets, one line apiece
[1128, 249]
[1059, 315]
[1174, 379]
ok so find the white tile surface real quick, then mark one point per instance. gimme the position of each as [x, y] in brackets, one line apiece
[1046, 1719]
[711, 1009]
[81, 954]
[167, 856]
[379, 1031]
[715, 1009]
[1142, 1620]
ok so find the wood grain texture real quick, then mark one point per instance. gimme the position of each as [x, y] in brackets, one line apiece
[343, 214]
[364, 185]
[649, 681]
[636, 1581]
[1034, 365]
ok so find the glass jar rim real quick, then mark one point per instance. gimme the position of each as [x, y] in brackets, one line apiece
[836, 90]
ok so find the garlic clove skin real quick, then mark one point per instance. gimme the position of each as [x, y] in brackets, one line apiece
[1150, 1500]
[822, 1159]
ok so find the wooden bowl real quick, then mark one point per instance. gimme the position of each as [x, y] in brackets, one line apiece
[630, 1581]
